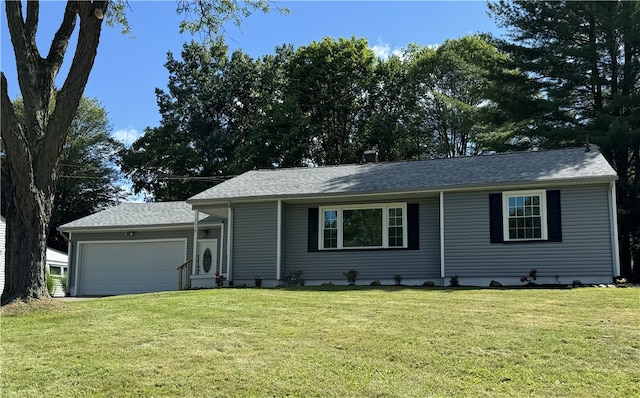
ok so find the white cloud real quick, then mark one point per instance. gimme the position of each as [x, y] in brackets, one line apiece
[381, 50]
[384, 51]
[126, 136]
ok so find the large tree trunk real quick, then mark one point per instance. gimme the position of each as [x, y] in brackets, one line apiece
[33, 145]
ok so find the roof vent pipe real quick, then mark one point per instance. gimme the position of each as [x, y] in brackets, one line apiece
[370, 156]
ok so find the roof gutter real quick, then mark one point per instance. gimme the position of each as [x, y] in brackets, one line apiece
[124, 228]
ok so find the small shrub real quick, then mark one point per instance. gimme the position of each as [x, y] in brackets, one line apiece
[351, 275]
[51, 284]
[257, 282]
[397, 278]
[454, 282]
[375, 283]
[63, 282]
[220, 280]
[530, 278]
[294, 278]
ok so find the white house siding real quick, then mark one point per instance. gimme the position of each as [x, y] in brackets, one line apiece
[328, 266]
[3, 234]
[584, 253]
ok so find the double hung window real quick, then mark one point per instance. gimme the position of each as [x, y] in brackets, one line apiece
[524, 215]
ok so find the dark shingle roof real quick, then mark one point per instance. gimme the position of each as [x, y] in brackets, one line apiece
[139, 215]
[439, 174]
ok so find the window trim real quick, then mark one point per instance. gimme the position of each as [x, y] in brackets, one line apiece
[385, 225]
[542, 194]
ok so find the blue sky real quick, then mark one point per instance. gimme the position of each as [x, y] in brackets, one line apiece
[127, 70]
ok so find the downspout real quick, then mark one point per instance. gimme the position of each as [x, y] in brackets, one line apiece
[279, 240]
[75, 272]
[194, 261]
[613, 219]
[442, 274]
[229, 242]
[221, 247]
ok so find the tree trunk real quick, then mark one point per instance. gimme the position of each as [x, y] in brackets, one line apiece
[33, 145]
[26, 251]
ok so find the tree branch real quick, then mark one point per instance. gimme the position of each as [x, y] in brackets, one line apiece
[61, 39]
[28, 61]
[8, 115]
[71, 92]
[33, 10]
[12, 132]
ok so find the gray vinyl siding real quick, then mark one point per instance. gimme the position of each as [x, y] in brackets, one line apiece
[328, 265]
[254, 241]
[585, 249]
[214, 233]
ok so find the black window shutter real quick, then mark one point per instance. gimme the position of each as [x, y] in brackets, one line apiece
[554, 219]
[312, 233]
[495, 218]
[413, 226]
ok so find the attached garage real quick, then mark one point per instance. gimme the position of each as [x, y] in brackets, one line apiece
[106, 268]
[134, 247]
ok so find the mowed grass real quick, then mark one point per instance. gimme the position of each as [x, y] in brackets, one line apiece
[340, 342]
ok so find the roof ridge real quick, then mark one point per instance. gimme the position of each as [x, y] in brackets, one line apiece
[496, 154]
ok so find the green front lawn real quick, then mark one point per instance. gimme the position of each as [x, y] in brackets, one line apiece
[361, 342]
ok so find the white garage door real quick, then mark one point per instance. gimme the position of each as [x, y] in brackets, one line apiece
[129, 267]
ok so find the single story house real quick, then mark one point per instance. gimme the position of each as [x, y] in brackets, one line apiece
[483, 218]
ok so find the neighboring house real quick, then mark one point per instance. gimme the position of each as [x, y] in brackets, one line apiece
[478, 218]
[57, 262]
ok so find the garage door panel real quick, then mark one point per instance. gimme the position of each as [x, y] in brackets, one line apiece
[130, 267]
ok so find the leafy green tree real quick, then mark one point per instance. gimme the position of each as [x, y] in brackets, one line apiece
[273, 140]
[392, 126]
[33, 147]
[208, 112]
[327, 86]
[452, 92]
[583, 61]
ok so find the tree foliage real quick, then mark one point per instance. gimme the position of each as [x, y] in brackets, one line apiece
[320, 104]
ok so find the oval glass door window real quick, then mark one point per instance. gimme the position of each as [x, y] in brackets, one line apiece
[206, 261]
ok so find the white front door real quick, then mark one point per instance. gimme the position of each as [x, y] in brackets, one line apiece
[207, 256]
